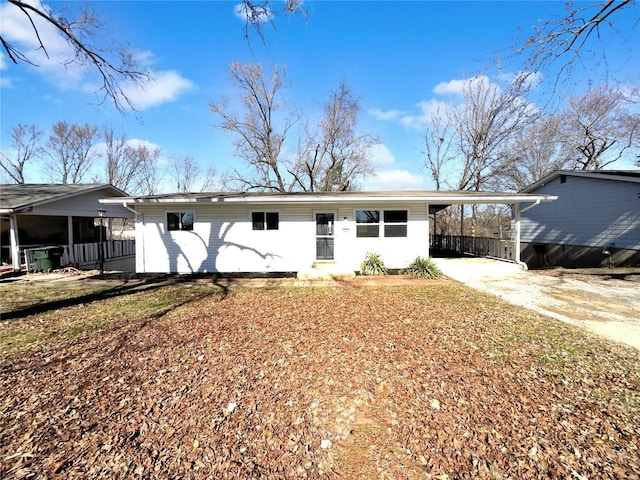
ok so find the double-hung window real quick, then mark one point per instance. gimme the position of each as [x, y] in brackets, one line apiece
[395, 223]
[367, 223]
[265, 220]
[180, 221]
[386, 223]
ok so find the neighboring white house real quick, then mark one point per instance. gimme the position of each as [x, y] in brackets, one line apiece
[64, 215]
[594, 222]
[289, 232]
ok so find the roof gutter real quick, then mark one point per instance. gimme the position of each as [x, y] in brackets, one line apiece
[537, 202]
[313, 199]
[135, 212]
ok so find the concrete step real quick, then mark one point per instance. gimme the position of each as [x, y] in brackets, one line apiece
[325, 271]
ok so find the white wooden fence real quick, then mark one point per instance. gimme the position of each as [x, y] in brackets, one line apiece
[86, 253]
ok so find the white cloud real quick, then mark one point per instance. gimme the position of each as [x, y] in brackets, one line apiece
[380, 155]
[427, 110]
[388, 176]
[396, 179]
[385, 115]
[57, 66]
[246, 15]
[164, 87]
[5, 82]
[456, 87]
[53, 61]
[531, 79]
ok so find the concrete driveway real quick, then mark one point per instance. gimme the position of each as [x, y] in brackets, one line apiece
[604, 301]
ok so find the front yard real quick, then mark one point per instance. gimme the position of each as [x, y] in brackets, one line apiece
[432, 380]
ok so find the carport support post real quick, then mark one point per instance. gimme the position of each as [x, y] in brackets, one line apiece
[516, 221]
[71, 256]
[15, 243]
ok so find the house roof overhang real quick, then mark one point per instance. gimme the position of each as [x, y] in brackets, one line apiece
[439, 197]
[22, 198]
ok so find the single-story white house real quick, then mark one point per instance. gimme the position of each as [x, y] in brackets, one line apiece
[61, 215]
[289, 232]
[595, 221]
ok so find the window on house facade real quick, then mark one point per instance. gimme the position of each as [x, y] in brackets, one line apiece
[394, 223]
[265, 220]
[180, 221]
[367, 223]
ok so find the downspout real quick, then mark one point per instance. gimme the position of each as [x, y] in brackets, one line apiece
[517, 213]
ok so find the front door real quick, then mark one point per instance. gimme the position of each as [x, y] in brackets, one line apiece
[325, 231]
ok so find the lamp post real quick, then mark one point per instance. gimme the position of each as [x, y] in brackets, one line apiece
[101, 213]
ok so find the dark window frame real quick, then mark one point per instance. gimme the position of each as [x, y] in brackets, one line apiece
[262, 220]
[367, 223]
[382, 223]
[394, 228]
[177, 224]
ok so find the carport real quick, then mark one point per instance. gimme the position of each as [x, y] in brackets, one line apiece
[479, 246]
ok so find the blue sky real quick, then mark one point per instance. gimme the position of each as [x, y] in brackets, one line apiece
[400, 58]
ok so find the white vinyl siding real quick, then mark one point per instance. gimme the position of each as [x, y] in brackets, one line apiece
[223, 239]
[592, 212]
[396, 252]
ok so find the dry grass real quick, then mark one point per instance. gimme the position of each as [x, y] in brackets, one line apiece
[427, 381]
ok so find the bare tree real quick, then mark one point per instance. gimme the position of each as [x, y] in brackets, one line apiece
[149, 176]
[567, 41]
[258, 131]
[115, 66]
[121, 172]
[25, 147]
[441, 146]
[259, 13]
[472, 139]
[333, 157]
[486, 125]
[599, 128]
[71, 153]
[189, 176]
[537, 150]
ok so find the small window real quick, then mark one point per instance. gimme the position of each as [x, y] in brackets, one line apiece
[265, 220]
[180, 221]
[395, 223]
[367, 223]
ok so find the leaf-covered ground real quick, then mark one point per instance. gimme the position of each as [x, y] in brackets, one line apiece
[427, 381]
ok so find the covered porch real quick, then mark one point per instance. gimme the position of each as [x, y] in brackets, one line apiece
[66, 220]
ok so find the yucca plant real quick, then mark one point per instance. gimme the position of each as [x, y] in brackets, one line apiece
[373, 265]
[423, 268]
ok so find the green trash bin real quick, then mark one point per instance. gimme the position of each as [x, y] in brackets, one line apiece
[47, 258]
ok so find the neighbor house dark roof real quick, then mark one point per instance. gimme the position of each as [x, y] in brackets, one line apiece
[16, 197]
[632, 176]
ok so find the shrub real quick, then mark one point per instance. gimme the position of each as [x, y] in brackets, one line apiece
[423, 268]
[373, 265]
